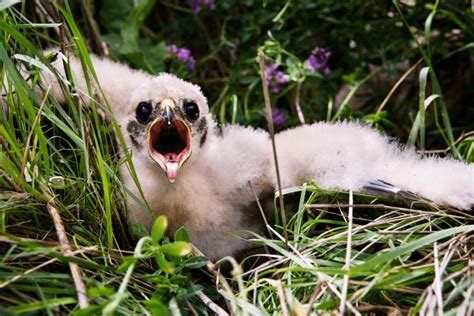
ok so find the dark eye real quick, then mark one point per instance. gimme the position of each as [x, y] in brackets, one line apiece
[192, 110]
[143, 112]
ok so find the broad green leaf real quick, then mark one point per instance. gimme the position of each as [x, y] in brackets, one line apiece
[196, 262]
[181, 235]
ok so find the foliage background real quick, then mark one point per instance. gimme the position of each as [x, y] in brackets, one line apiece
[362, 35]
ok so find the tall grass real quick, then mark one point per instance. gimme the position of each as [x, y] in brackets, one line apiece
[65, 158]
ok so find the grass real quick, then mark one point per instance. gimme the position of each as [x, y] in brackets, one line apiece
[346, 252]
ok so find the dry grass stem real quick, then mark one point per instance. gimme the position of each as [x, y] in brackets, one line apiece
[447, 149]
[260, 208]
[268, 111]
[397, 84]
[283, 300]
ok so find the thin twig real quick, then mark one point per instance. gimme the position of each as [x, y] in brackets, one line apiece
[381, 310]
[211, 305]
[399, 82]
[66, 250]
[447, 149]
[41, 9]
[318, 290]
[268, 110]
[219, 279]
[102, 46]
[50, 9]
[257, 200]
[191, 308]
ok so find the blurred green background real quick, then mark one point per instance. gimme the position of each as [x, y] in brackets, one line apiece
[378, 39]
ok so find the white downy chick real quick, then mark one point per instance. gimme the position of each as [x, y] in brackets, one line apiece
[199, 178]
[195, 175]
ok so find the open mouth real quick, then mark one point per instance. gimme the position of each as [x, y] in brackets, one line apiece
[169, 144]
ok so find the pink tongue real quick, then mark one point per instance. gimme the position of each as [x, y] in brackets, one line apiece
[171, 170]
[171, 156]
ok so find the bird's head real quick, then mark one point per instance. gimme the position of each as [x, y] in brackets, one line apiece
[168, 120]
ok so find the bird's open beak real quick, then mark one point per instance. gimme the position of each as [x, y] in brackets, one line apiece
[169, 140]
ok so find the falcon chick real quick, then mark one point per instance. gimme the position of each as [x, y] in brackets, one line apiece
[199, 176]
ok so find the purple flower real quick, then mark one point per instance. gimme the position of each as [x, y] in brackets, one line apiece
[183, 54]
[278, 116]
[197, 5]
[275, 78]
[317, 61]
[173, 49]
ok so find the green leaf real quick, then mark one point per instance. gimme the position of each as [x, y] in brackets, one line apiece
[113, 14]
[181, 235]
[155, 56]
[164, 265]
[419, 124]
[158, 229]
[193, 290]
[100, 291]
[177, 248]
[127, 261]
[155, 307]
[196, 262]
[89, 310]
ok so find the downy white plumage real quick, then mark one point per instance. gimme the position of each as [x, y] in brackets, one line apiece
[199, 176]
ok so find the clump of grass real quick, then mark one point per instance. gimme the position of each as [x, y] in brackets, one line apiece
[66, 245]
[345, 253]
[401, 260]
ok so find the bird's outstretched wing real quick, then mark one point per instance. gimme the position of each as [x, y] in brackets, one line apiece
[349, 156]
